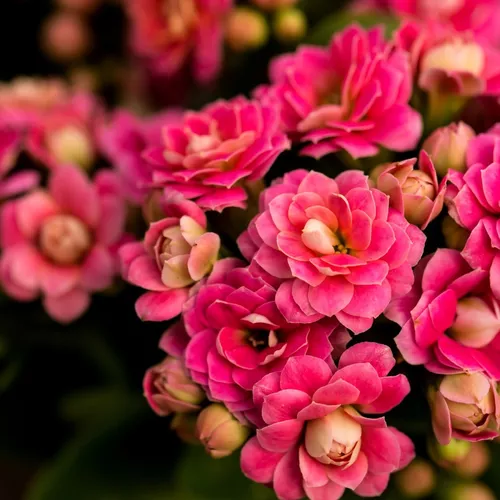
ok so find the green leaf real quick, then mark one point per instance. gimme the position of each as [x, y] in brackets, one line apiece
[323, 31]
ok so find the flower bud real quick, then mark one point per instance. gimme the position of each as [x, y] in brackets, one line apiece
[475, 463]
[71, 144]
[246, 29]
[418, 183]
[273, 4]
[475, 491]
[448, 454]
[184, 425]
[455, 236]
[417, 480]
[447, 147]
[219, 431]
[168, 388]
[290, 25]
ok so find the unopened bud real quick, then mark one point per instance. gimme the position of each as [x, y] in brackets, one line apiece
[246, 29]
[184, 425]
[455, 236]
[475, 491]
[475, 462]
[453, 452]
[290, 25]
[417, 480]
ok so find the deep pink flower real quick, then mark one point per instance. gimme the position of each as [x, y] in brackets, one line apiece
[450, 320]
[238, 336]
[177, 251]
[314, 440]
[124, 140]
[60, 243]
[473, 200]
[213, 153]
[170, 33]
[352, 95]
[336, 245]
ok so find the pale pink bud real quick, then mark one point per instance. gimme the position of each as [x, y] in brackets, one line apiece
[71, 144]
[475, 463]
[447, 147]
[455, 236]
[477, 491]
[417, 183]
[246, 29]
[290, 25]
[273, 4]
[219, 431]
[64, 239]
[417, 480]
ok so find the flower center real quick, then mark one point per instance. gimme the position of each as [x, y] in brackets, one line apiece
[262, 339]
[64, 239]
[201, 143]
[317, 236]
[71, 145]
[420, 184]
[181, 16]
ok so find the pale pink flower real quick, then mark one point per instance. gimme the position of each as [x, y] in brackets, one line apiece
[177, 251]
[60, 242]
[337, 247]
[465, 406]
[168, 34]
[450, 320]
[316, 439]
[213, 153]
[238, 336]
[352, 95]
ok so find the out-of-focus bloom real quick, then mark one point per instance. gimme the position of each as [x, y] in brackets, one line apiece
[416, 193]
[447, 147]
[61, 243]
[447, 455]
[417, 480]
[184, 425]
[454, 235]
[246, 29]
[212, 154]
[352, 95]
[238, 336]
[170, 33]
[123, 141]
[315, 441]
[177, 251]
[219, 431]
[290, 25]
[450, 319]
[337, 247]
[475, 463]
[470, 491]
[465, 406]
[273, 4]
[473, 200]
[168, 388]
[83, 6]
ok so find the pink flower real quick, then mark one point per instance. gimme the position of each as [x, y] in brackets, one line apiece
[213, 153]
[238, 336]
[314, 440]
[169, 33]
[176, 253]
[473, 199]
[416, 193]
[352, 95]
[60, 243]
[450, 319]
[465, 406]
[123, 141]
[336, 246]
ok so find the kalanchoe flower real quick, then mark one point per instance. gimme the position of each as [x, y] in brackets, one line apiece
[238, 336]
[219, 431]
[447, 147]
[314, 440]
[168, 388]
[171, 33]
[177, 251]
[124, 139]
[350, 96]
[212, 154]
[416, 193]
[337, 247]
[61, 243]
[450, 320]
[465, 406]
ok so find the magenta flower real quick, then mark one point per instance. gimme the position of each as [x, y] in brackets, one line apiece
[416, 193]
[123, 141]
[176, 253]
[60, 243]
[473, 200]
[352, 95]
[450, 319]
[213, 153]
[167, 34]
[314, 440]
[238, 336]
[337, 247]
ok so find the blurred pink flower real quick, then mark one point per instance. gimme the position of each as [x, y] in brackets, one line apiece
[60, 243]
[212, 154]
[177, 251]
[336, 247]
[352, 95]
[450, 320]
[170, 33]
[314, 440]
[238, 336]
